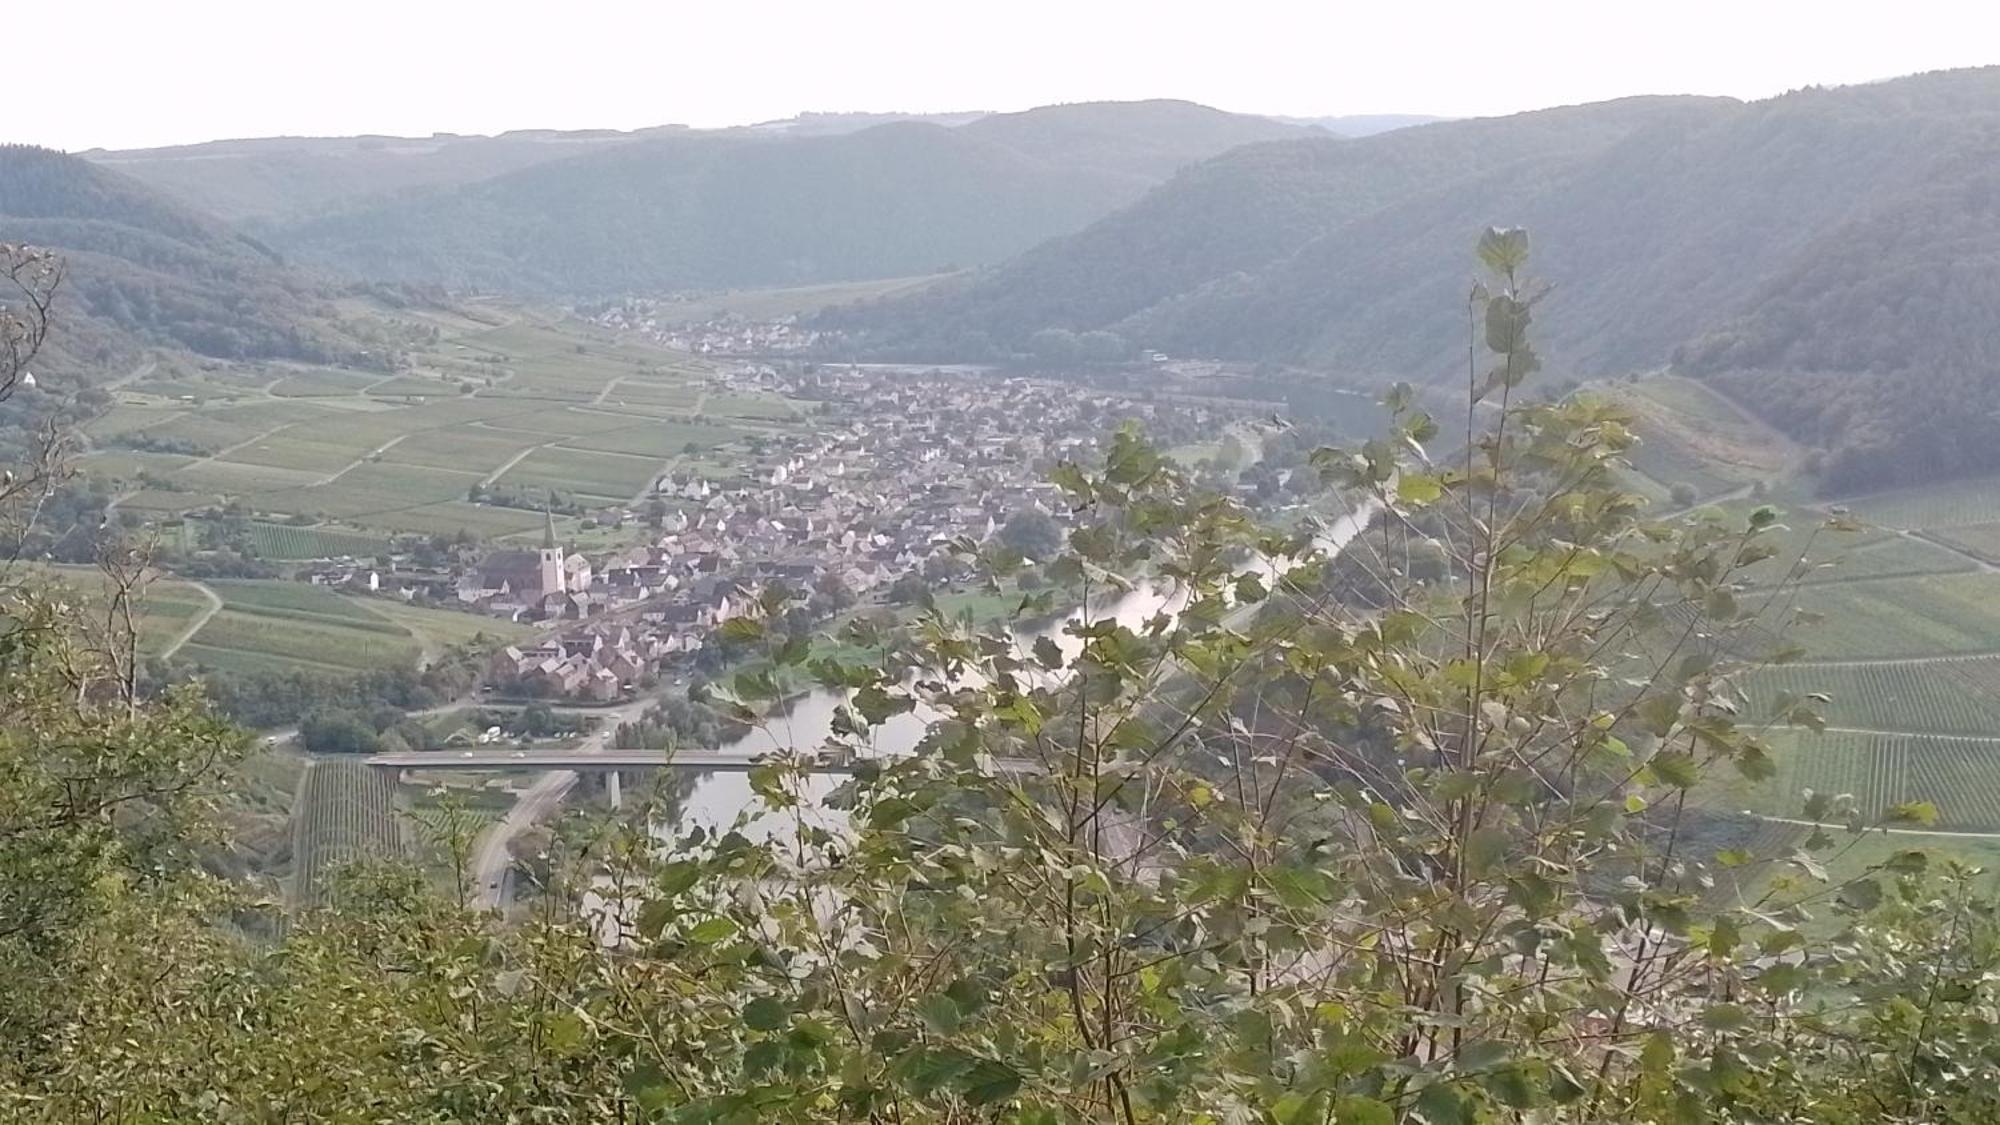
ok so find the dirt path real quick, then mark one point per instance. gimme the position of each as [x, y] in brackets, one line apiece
[133, 376]
[1917, 536]
[361, 460]
[1947, 658]
[516, 459]
[1934, 832]
[214, 607]
[244, 444]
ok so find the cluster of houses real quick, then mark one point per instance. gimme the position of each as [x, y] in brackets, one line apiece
[895, 469]
[726, 335]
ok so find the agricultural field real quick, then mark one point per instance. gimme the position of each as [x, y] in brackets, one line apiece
[774, 303]
[443, 628]
[1907, 650]
[1952, 504]
[1978, 539]
[1921, 615]
[345, 811]
[1691, 435]
[298, 626]
[279, 541]
[317, 382]
[560, 405]
[1956, 773]
[755, 407]
[657, 439]
[600, 475]
[1933, 697]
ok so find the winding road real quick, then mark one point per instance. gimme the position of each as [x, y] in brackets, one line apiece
[214, 607]
[491, 856]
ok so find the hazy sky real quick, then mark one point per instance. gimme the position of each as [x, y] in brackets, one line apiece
[122, 73]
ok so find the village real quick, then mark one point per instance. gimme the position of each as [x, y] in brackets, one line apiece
[895, 467]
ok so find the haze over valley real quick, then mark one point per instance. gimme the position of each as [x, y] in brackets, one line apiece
[1449, 603]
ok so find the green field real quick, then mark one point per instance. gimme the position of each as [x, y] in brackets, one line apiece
[1935, 697]
[1957, 774]
[563, 405]
[442, 628]
[1923, 615]
[344, 812]
[1690, 435]
[606, 476]
[282, 625]
[1953, 504]
[1981, 539]
[773, 303]
[284, 542]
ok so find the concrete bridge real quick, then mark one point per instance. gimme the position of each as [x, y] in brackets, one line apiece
[585, 761]
[602, 770]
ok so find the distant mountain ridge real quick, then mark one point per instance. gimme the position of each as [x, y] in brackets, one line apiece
[144, 271]
[743, 207]
[1829, 257]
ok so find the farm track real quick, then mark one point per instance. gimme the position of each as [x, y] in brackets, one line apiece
[133, 376]
[1979, 561]
[513, 461]
[201, 619]
[241, 445]
[360, 461]
[1931, 832]
[1944, 658]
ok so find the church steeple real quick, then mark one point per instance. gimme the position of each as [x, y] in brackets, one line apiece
[549, 523]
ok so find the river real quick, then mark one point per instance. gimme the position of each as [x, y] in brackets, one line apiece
[718, 798]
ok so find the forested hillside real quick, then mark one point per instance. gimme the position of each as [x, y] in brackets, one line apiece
[1236, 215]
[289, 177]
[1826, 256]
[144, 271]
[745, 208]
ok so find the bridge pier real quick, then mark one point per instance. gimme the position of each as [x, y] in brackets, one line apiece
[605, 783]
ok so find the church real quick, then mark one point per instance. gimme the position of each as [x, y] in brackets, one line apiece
[530, 578]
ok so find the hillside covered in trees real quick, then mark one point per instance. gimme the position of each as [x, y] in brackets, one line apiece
[1822, 255]
[749, 207]
[144, 271]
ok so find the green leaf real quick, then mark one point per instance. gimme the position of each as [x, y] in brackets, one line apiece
[713, 930]
[654, 916]
[1442, 1104]
[765, 1013]
[743, 629]
[939, 1012]
[1485, 848]
[1862, 895]
[1725, 1017]
[1676, 768]
[890, 812]
[1353, 1109]
[1914, 812]
[1481, 1054]
[1504, 248]
[1417, 489]
[677, 877]
[1907, 862]
[1250, 588]
[565, 1034]
[925, 1070]
[989, 1081]
[1657, 1055]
